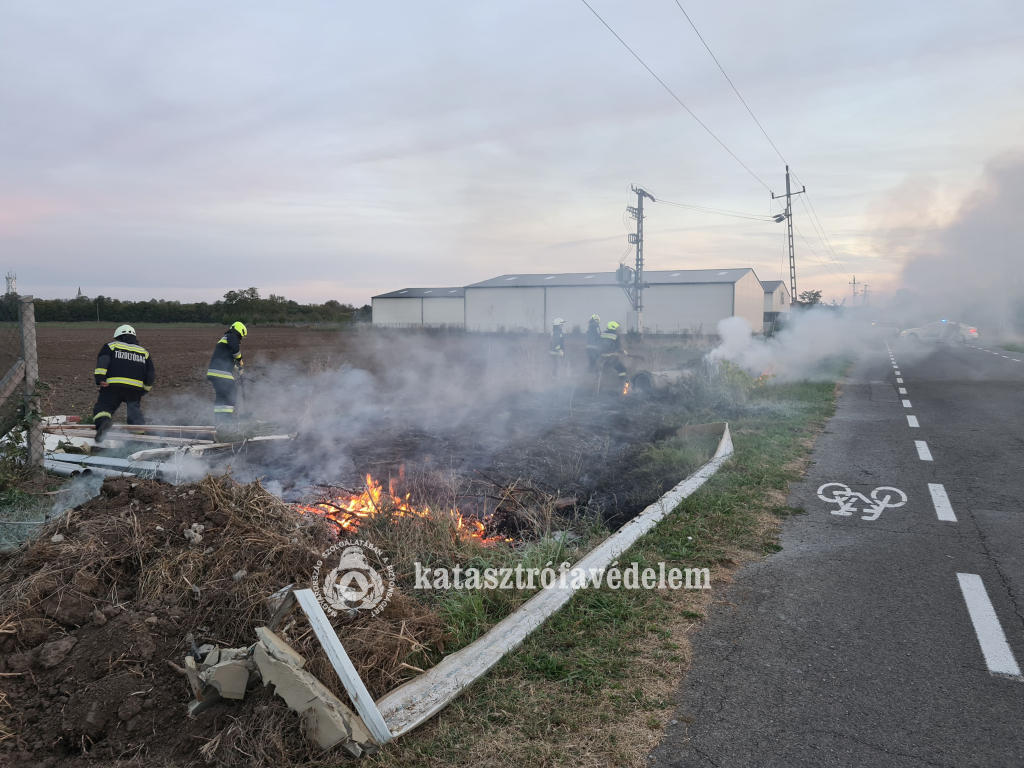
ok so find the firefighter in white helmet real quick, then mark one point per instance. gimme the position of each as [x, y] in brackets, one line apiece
[557, 345]
[124, 373]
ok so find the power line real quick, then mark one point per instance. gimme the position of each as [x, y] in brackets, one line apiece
[826, 244]
[742, 100]
[718, 211]
[673, 95]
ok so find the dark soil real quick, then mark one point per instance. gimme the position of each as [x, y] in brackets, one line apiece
[88, 625]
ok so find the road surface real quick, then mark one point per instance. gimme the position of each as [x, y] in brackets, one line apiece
[880, 634]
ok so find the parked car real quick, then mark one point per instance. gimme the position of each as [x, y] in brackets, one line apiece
[886, 329]
[943, 331]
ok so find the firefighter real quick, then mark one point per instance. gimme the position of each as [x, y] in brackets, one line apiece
[611, 348]
[226, 360]
[593, 342]
[557, 345]
[124, 373]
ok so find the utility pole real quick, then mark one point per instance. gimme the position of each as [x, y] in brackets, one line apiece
[634, 287]
[854, 284]
[789, 223]
[864, 291]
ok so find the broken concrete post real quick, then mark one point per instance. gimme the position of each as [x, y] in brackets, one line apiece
[328, 721]
[224, 673]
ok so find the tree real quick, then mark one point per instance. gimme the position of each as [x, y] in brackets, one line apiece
[810, 298]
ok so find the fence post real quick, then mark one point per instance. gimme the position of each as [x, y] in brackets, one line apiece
[29, 353]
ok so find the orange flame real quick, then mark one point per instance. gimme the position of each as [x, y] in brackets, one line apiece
[625, 388]
[347, 511]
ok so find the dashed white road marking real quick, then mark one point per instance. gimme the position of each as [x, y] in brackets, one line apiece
[995, 649]
[906, 404]
[903, 391]
[922, 450]
[943, 509]
[899, 381]
[898, 373]
[912, 421]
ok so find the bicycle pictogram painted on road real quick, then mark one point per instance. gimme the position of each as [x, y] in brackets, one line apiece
[848, 500]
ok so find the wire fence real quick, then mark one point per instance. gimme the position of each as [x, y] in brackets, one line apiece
[10, 353]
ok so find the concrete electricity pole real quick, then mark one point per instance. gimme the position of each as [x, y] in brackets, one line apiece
[789, 223]
[854, 284]
[635, 288]
[864, 292]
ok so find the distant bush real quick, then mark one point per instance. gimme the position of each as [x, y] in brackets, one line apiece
[245, 305]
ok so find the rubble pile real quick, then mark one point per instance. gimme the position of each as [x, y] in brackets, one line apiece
[99, 612]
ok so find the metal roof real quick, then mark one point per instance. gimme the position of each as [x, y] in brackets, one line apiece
[424, 293]
[651, 277]
[771, 285]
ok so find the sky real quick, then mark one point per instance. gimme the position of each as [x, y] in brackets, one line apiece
[319, 150]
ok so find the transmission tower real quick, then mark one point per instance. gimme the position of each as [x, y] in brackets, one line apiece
[12, 283]
[633, 284]
[789, 224]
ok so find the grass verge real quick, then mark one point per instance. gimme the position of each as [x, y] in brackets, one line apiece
[594, 685]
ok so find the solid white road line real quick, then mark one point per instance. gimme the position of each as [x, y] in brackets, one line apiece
[899, 381]
[906, 403]
[903, 391]
[912, 421]
[922, 450]
[943, 509]
[997, 653]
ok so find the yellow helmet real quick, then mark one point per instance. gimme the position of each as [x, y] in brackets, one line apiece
[596, 318]
[240, 328]
[613, 326]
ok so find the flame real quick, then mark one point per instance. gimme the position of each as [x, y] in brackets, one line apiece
[347, 511]
[625, 388]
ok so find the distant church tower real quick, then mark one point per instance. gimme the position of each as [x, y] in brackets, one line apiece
[79, 293]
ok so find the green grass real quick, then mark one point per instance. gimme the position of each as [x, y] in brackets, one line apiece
[1013, 348]
[586, 683]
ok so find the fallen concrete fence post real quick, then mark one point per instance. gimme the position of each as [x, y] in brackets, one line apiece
[421, 698]
[354, 686]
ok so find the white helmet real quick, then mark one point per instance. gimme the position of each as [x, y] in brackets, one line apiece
[558, 321]
[123, 330]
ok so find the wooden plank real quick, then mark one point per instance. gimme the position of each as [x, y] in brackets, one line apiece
[421, 698]
[11, 381]
[343, 666]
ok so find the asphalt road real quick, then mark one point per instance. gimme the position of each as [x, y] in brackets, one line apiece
[893, 641]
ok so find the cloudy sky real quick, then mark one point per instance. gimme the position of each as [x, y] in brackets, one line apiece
[338, 150]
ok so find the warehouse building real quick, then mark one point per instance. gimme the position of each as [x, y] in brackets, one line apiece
[675, 301]
[430, 307]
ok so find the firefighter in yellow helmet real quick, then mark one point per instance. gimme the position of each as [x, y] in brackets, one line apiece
[557, 345]
[225, 363]
[611, 350]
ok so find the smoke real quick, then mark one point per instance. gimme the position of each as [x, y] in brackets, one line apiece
[804, 349]
[969, 269]
[385, 391]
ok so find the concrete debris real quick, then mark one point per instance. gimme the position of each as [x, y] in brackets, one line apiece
[327, 720]
[224, 673]
[195, 533]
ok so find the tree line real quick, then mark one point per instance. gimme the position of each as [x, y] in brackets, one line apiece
[246, 305]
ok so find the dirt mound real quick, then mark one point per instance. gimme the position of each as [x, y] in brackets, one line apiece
[95, 608]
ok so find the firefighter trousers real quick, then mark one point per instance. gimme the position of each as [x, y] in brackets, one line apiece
[225, 395]
[107, 403]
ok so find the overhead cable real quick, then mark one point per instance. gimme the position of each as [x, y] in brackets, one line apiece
[718, 211]
[673, 95]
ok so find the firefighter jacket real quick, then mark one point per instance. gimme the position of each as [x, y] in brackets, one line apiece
[610, 344]
[557, 342]
[226, 355]
[594, 335]
[125, 364]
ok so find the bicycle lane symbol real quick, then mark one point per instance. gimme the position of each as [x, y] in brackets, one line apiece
[848, 500]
